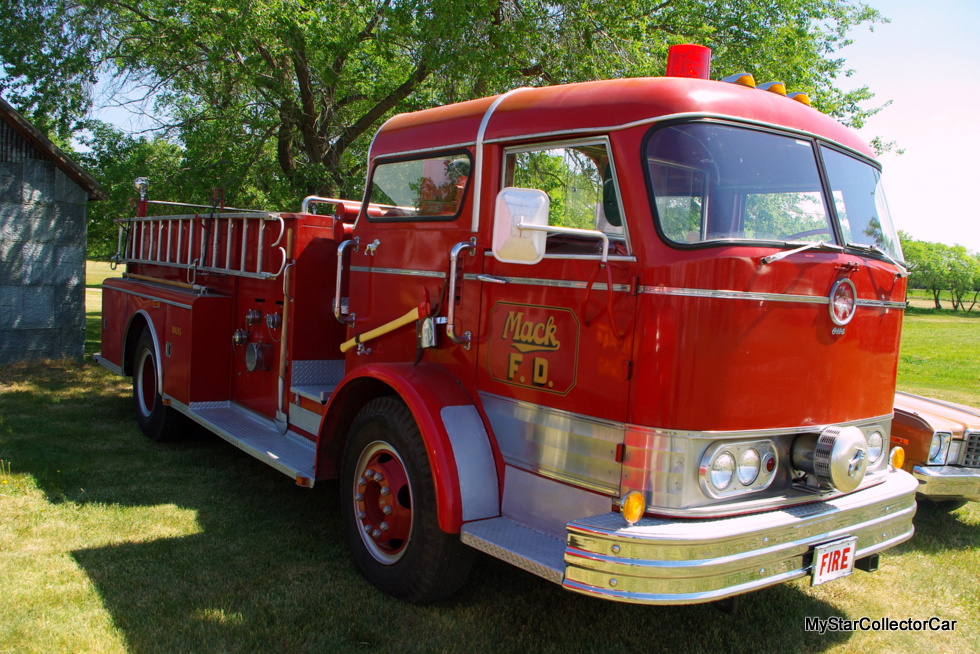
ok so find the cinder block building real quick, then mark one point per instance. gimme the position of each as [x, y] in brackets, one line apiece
[43, 200]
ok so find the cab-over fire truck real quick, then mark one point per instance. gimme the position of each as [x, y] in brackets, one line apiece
[637, 336]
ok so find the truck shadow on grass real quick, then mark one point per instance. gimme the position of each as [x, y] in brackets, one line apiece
[938, 530]
[266, 566]
[270, 571]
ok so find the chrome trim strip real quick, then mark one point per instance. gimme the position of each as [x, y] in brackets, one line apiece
[478, 164]
[881, 304]
[665, 561]
[435, 148]
[399, 271]
[556, 283]
[760, 297]
[690, 115]
[749, 434]
[629, 258]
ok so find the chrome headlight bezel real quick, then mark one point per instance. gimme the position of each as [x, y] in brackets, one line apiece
[737, 451]
[939, 448]
[876, 447]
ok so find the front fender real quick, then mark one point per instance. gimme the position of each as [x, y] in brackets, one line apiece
[455, 436]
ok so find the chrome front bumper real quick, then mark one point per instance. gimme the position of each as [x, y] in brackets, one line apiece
[676, 561]
[948, 482]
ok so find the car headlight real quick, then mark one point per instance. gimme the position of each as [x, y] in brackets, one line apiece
[748, 466]
[722, 471]
[876, 445]
[939, 448]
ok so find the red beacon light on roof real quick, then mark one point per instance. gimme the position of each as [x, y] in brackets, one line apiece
[689, 60]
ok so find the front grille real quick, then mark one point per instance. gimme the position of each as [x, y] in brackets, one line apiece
[971, 455]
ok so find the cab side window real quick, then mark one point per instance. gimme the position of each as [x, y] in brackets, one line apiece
[420, 189]
[582, 189]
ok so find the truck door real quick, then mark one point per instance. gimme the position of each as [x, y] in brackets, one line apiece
[554, 363]
[402, 257]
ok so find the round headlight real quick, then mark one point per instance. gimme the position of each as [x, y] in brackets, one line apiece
[748, 466]
[722, 471]
[939, 448]
[875, 446]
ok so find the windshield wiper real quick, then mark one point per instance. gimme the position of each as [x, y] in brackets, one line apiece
[809, 246]
[903, 271]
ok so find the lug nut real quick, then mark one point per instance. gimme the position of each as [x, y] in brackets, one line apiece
[386, 510]
[385, 490]
[378, 476]
[359, 497]
[361, 482]
[361, 515]
[376, 534]
[384, 526]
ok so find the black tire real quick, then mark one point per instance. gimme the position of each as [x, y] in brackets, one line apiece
[390, 512]
[158, 421]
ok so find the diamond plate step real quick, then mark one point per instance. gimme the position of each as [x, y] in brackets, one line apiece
[518, 545]
[316, 379]
[288, 453]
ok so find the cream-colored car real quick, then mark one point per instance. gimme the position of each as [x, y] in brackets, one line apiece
[942, 448]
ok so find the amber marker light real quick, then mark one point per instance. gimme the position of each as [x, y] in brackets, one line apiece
[897, 457]
[632, 507]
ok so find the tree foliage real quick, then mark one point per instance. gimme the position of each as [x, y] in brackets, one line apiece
[274, 99]
[943, 269]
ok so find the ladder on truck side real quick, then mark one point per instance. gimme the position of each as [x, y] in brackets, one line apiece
[219, 243]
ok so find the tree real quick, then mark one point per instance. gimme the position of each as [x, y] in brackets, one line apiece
[113, 158]
[940, 268]
[276, 99]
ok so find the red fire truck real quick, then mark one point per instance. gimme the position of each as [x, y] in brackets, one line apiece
[637, 336]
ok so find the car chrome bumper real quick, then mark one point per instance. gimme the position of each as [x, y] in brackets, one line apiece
[948, 482]
[676, 561]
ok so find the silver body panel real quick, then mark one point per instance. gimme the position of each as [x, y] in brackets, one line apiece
[478, 490]
[572, 448]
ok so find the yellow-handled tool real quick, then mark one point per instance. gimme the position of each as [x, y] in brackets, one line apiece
[410, 317]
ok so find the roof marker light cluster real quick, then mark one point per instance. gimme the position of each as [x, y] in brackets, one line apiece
[690, 60]
[745, 79]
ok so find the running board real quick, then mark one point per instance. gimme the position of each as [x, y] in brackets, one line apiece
[290, 454]
[518, 545]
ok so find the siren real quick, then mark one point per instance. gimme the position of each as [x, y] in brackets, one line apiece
[689, 60]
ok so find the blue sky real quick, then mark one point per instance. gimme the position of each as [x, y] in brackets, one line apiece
[927, 62]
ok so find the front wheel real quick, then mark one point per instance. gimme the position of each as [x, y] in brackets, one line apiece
[389, 508]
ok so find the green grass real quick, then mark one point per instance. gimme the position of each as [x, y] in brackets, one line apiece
[112, 543]
[940, 355]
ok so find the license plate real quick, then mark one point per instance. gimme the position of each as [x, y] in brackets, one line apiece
[833, 560]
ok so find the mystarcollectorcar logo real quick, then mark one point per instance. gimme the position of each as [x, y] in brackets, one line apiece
[839, 623]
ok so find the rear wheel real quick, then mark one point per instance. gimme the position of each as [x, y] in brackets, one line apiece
[158, 421]
[389, 508]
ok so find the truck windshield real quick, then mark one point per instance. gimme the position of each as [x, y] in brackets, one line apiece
[716, 182]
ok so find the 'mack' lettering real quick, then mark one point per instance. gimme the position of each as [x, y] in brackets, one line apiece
[530, 336]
